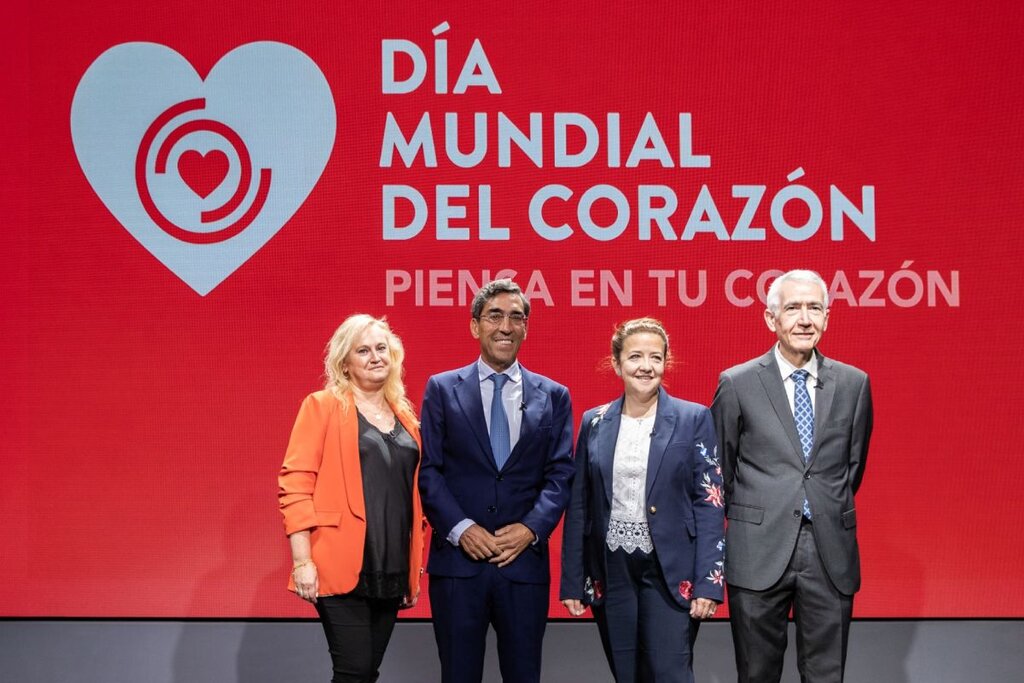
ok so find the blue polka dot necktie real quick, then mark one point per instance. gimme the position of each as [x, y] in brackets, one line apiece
[803, 413]
[501, 438]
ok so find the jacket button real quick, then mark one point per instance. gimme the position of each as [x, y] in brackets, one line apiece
[807, 475]
[499, 477]
[491, 508]
[654, 510]
[796, 513]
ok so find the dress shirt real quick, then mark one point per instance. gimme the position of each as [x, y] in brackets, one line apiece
[787, 369]
[511, 396]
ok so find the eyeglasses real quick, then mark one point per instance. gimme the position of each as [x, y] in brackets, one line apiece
[515, 318]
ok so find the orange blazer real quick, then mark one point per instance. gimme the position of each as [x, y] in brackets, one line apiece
[320, 487]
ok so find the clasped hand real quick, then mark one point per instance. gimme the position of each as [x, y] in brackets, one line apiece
[500, 548]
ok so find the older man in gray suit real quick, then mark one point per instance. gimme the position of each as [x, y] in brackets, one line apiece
[793, 430]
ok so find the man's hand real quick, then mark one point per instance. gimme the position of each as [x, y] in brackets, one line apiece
[512, 540]
[478, 543]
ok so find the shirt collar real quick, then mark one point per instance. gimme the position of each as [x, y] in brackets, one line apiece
[786, 368]
[484, 371]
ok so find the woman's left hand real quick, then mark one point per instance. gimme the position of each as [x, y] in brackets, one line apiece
[307, 583]
[703, 608]
[575, 607]
[409, 601]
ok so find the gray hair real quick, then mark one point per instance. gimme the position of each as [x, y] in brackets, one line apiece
[493, 289]
[775, 290]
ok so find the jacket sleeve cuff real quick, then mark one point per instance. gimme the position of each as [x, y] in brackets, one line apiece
[299, 517]
[456, 533]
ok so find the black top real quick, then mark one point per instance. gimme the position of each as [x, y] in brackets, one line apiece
[388, 461]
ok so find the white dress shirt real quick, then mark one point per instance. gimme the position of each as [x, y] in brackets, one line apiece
[787, 369]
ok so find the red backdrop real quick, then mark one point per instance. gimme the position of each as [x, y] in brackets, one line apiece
[144, 422]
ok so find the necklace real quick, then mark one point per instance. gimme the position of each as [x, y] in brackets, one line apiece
[376, 412]
[379, 416]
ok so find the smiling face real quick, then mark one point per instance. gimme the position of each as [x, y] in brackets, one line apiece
[800, 321]
[368, 362]
[500, 341]
[641, 364]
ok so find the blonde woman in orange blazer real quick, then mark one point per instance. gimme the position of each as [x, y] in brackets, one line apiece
[349, 495]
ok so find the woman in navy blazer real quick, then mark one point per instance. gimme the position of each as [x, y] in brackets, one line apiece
[643, 538]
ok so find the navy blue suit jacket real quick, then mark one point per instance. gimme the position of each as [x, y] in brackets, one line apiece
[459, 480]
[685, 509]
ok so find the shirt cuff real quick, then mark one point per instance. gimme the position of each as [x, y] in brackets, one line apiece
[456, 533]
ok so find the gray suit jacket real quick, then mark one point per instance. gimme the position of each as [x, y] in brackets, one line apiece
[766, 479]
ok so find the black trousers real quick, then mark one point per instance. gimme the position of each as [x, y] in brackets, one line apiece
[647, 636]
[760, 620]
[358, 630]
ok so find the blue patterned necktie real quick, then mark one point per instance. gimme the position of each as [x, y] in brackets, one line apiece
[803, 413]
[501, 439]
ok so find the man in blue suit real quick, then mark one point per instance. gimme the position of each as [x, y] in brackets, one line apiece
[494, 478]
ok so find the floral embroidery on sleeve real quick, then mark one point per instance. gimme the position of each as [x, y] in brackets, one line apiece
[714, 492]
[717, 575]
[710, 459]
[713, 489]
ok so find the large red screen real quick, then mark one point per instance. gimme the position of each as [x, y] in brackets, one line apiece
[195, 194]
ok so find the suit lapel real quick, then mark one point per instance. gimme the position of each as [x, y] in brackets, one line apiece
[664, 427]
[823, 395]
[348, 444]
[604, 448]
[467, 394]
[534, 405]
[771, 378]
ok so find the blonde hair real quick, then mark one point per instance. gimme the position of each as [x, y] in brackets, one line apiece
[341, 343]
[637, 326]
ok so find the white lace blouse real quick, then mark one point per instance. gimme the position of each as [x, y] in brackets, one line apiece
[627, 528]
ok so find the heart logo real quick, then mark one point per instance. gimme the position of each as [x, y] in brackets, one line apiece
[203, 172]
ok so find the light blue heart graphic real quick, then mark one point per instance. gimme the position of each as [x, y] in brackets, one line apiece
[151, 136]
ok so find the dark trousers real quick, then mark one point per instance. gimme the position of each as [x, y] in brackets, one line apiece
[822, 614]
[647, 636]
[358, 630]
[463, 608]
